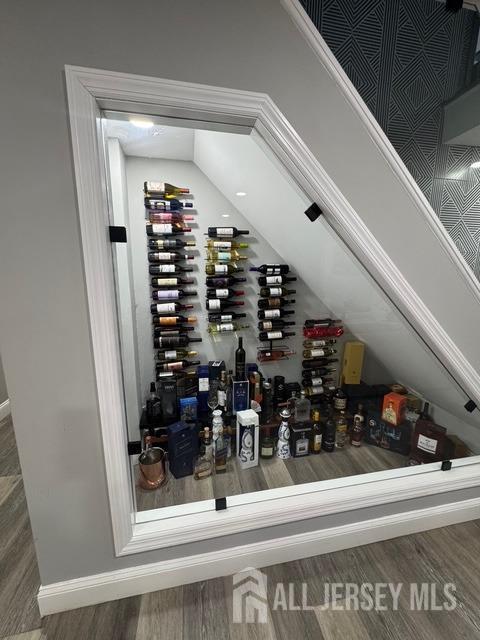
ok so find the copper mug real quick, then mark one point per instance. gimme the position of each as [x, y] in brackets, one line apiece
[152, 466]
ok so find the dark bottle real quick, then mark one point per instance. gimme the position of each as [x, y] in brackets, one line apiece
[271, 314]
[322, 322]
[424, 414]
[178, 365]
[168, 256]
[272, 269]
[224, 293]
[169, 243]
[271, 281]
[315, 381]
[154, 405]
[225, 317]
[215, 304]
[270, 292]
[172, 294]
[274, 325]
[308, 374]
[168, 308]
[226, 232]
[317, 433]
[267, 403]
[240, 361]
[179, 330]
[169, 321]
[279, 390]
[223, 282]
[174, 341]
[160, 204]
[162, 269]
[275, 335]
[318, 363]
[267, 444]
[329, 434]
[273, 303]
[166, 229]
[170, 282]
[358, 427]
[339, 399]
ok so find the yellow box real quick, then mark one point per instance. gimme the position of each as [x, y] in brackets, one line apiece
[353, 362]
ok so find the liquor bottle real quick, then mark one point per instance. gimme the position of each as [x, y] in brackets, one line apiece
[215, 304]
[162, 269]
[271, 314]
[226, 232]
[165, 332]
[161, 204]
[166, 188]
[224, 256]
[270, 292]
[424, 414]
[358, 427]
[273, 303]
[228, 406]
[267, 403]
[173, 320]
[168, 216]
[166, 229]
[174, 341]
[317, 433]
[322, 322]
[203, 464]
[222, 392]
[329, 434]
[172, 294]
[313, 344]
[319, 352]
[340, 430]
[274, 325]
[170, 282]
[212, 269]
[207, 439]
[267, 444]
[178, 365]
[339, 399]
[219, 444]
[226, 245]
[271, 281]
[316, 390]
[175, 354]
[275, 335]
[225, 317]
[224, 293]
[168, 256]
[273, 355]
[240, 361]
[318, 363]
[272, 269]
[168, 308]
[225, 327]
[169, 243]
[154, 405]
[223, 282]
[302, 408]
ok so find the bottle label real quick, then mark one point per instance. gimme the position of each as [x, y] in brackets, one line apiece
[317, 381]
[173, 366]
[225, 327]
[155, 186]
[339, 403]
[169, 320]
[214, 304]
[221, 269]
[166, 268]
[267, 325]
[224, 256]
[317, 390]
[274, 302]
[166, 307]
[171, 355]
[272, 271]
[162, 228]
[274, 280]
[225, 231]
[222, 397]
[226, 318]
[221, 293]
[168, 282]
[203, 384]
[317, 442]
[170, 294]
[272, 313]
[275, 291]
[266, 450]
[317, 353]
[274, 335]
[219, 245]
[427, 444]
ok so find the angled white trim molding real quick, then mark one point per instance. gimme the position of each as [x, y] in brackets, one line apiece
[4, 409]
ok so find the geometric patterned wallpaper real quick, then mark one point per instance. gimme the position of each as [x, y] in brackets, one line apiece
[407, 57]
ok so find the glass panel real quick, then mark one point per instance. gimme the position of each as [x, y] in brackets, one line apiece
[240, 376]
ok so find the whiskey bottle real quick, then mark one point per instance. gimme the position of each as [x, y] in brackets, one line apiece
[317, 433]
[273, 303]
[168, 216]
[203, 463]
[271, 314]
[271, 281]
[169, 243]
[166, 229]
[153, 405]
[226, 232]
[162, 269]
[225, 317]
[170, 282]
[267, 444]
[270, 292]
[178, 365]
[215, 304]
[274, 325]
[224, 256]
[174, 341]
[225, 327]
[225, 245]
[339, 399]
[163, 188]
[224, 293]
[172, 294]
[168, 256]
[212, 269]
[173, 320]
[175, 354]
[272, 269]
[329, 434]
[274, 335]
[340, 430]
[319, 352]
[168, 308]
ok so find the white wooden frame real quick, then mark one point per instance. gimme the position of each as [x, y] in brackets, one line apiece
[89, 90]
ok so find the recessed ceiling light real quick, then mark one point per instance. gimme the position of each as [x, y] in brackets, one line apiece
[225, 215]
[240, 194]
[140, 123]
[475, 165]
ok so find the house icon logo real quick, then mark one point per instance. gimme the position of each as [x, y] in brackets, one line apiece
[250, 596]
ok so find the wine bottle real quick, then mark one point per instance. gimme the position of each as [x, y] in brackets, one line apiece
[323, 332]
[166, 229]
[224, 293]
[168, 256]
[176, 330]
[270, 292]
[272, 355]
[274, 325]
[167, 308]
[222, 327]
[159, 217]
[322, 322]
[269, 281]
[164, 188]
[164, 269]
[226, 232]
[273, 303]
[224, 256]
[225, 317]
[215, 304]
[160, 204]
[175, 354]
[174, 341]
[240, 361]
[275, 335]
[172, 294]
[313, 344]
[223, 282]
[173, 320]
[319, 362]
[212, 269]
[323, 352]
[272, 269]
[178, 365]
[315, 381]
[309, 374]
[316, 390]
[169, 243]
[170, 282]
[226, 245]
[271, 314]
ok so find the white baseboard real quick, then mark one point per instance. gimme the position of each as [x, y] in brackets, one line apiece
[4, 409]
[123, 583]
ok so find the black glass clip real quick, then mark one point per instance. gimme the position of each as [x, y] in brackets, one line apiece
[118, 234]
[446, 465]
[134, 448]
[220, 504]
[313, 212]
[470, 406]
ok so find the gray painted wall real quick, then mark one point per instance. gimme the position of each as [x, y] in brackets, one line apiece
[46, 343]
[3, 384]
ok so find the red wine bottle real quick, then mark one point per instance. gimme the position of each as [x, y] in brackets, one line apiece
[308, 374]
[271, 314]
[174, 341]
[178, 330]
[162, 244]
[163, 269]
[271, 281]
[166, 321]
[271, 292]
[159, 217]
[215, 304]
[175, 281]
[274, 325]
[224, 293]
[275, 335]
[223, 281]
[272, 269]
[166, 229]
[167, 308]
[273, 303]
[240, 361]
[168, 256]
[172, 294]
[226, 232]
[225, 317]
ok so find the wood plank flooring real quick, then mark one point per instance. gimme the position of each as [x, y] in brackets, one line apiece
[270, 474]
